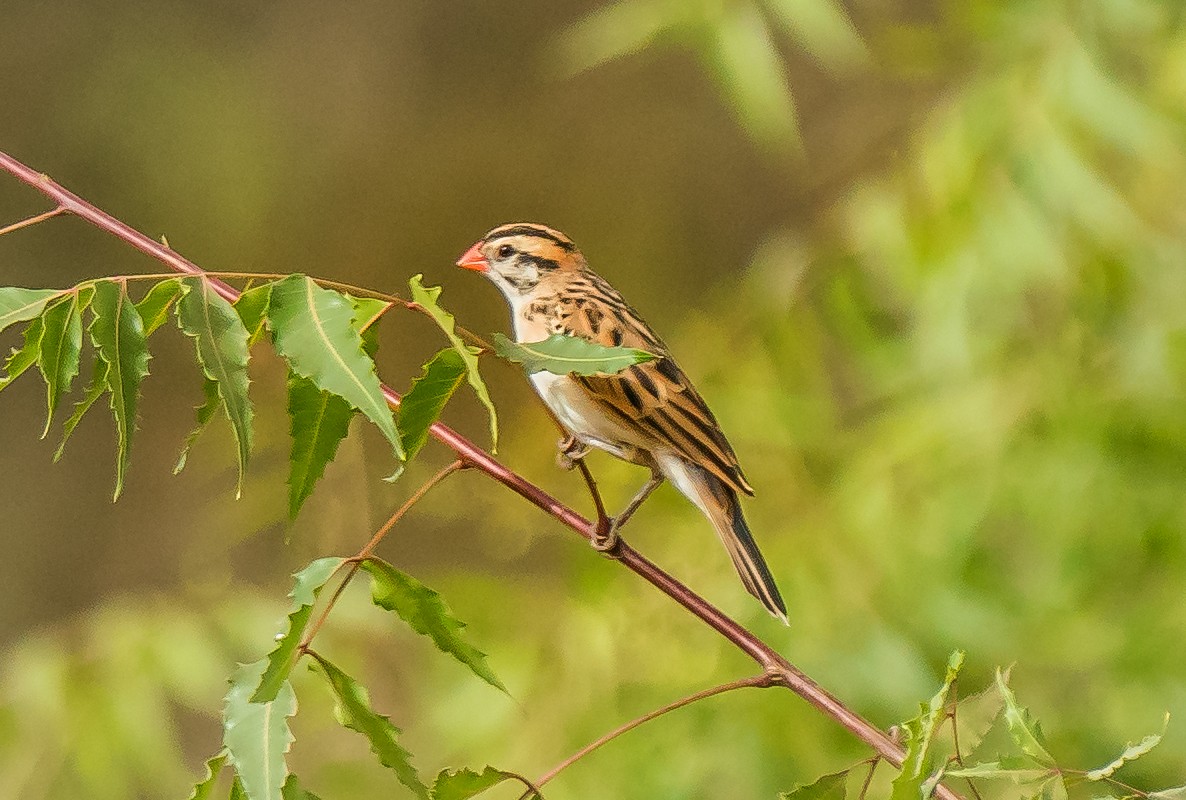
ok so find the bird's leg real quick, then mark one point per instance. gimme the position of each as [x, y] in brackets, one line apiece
[571, 450]
[609, 539]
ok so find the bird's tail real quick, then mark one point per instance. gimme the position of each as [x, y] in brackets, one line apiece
[719, 503]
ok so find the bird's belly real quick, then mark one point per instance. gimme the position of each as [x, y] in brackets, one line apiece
[581, 417]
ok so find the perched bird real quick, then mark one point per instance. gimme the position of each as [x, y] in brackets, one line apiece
[648, 414]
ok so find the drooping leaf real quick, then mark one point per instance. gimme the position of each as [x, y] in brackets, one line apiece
[204, 414]
[118, 334]
[293, 790]
[94, 391]
[919, 734]
[427, 298]
[423, 403]
[256, 735]
[561, 355]
[462, 784]
[18, 305]
[221, 341]
[312, 329]
[353, 709]
[154, 306]
[20, 359]
[305, 587]
[828, 787]
[1131, 753]
[61, 344]
[205, 786]
[252, 307]
[425, 611]
[1026, 732]
[319, 421]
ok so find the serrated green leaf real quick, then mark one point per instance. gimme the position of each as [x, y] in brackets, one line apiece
[367, 311]
[828, 787]
[18, 305]
[319, 421]
[424, 402]
[94, 391]
[563, 355]
[1131, 753]
[205, 785]
[154, 306]
[1025, 732]
[20, 359]
[919, 734]
[1006, 769]
[118, 335]
[256, 735]
[204, 414]
[427, 298]
[237, 790]
[462, 784]
[61, 344]
[293, 790]
[312, 329]
[252, 307]
[305, 587]
[976, 715]
[354, 710]
[425, 611]
[221, 342]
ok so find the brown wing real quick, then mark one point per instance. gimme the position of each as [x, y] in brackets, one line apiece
[655, 396]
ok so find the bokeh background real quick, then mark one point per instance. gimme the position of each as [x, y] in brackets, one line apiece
[925, 260]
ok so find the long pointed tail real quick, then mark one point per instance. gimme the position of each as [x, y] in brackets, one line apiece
[719, 503]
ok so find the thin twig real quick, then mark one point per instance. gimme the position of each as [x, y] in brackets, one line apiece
[763, 680]
[873, 762]
[25, 223]
[770, 660]
[955, 735]
[363, 554]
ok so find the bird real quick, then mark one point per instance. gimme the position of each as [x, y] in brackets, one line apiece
[648, 414]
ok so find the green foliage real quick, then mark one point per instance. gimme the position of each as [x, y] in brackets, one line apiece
[256, 735]
[118, 335]
[462, 784]
[826, 787]
[424, 402]
[204, 787]
[353, 710]
[154, 307]
[427, 298]
[563, 355]
[1131, 753]
[919, 734]
[327, 348]
[306, 586]
[61, 343]
[293, 790]
[204, 413]
[221, 341]
[426, 613]
[20, 359]
[19, 305]
[319, 421]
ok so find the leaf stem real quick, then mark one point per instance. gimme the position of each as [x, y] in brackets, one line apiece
[763, 680]
[25, 223]
[356, 560]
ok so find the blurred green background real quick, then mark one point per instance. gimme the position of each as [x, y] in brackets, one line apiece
[924, 259]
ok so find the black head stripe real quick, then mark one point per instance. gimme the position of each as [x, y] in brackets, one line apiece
[533, 230]
[540, 262]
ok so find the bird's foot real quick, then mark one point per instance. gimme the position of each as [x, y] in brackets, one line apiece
[605, 538]
[571, 450]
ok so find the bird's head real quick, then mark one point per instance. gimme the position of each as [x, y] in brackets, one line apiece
[517, 256]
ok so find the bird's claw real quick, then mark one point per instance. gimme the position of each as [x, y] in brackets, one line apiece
[605, 538]
[571, 451]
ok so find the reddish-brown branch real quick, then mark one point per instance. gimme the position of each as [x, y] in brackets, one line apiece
[779, 668]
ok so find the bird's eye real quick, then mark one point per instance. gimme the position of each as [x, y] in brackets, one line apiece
[505, 251]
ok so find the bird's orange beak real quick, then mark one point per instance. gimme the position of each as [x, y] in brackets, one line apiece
[473, 259]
